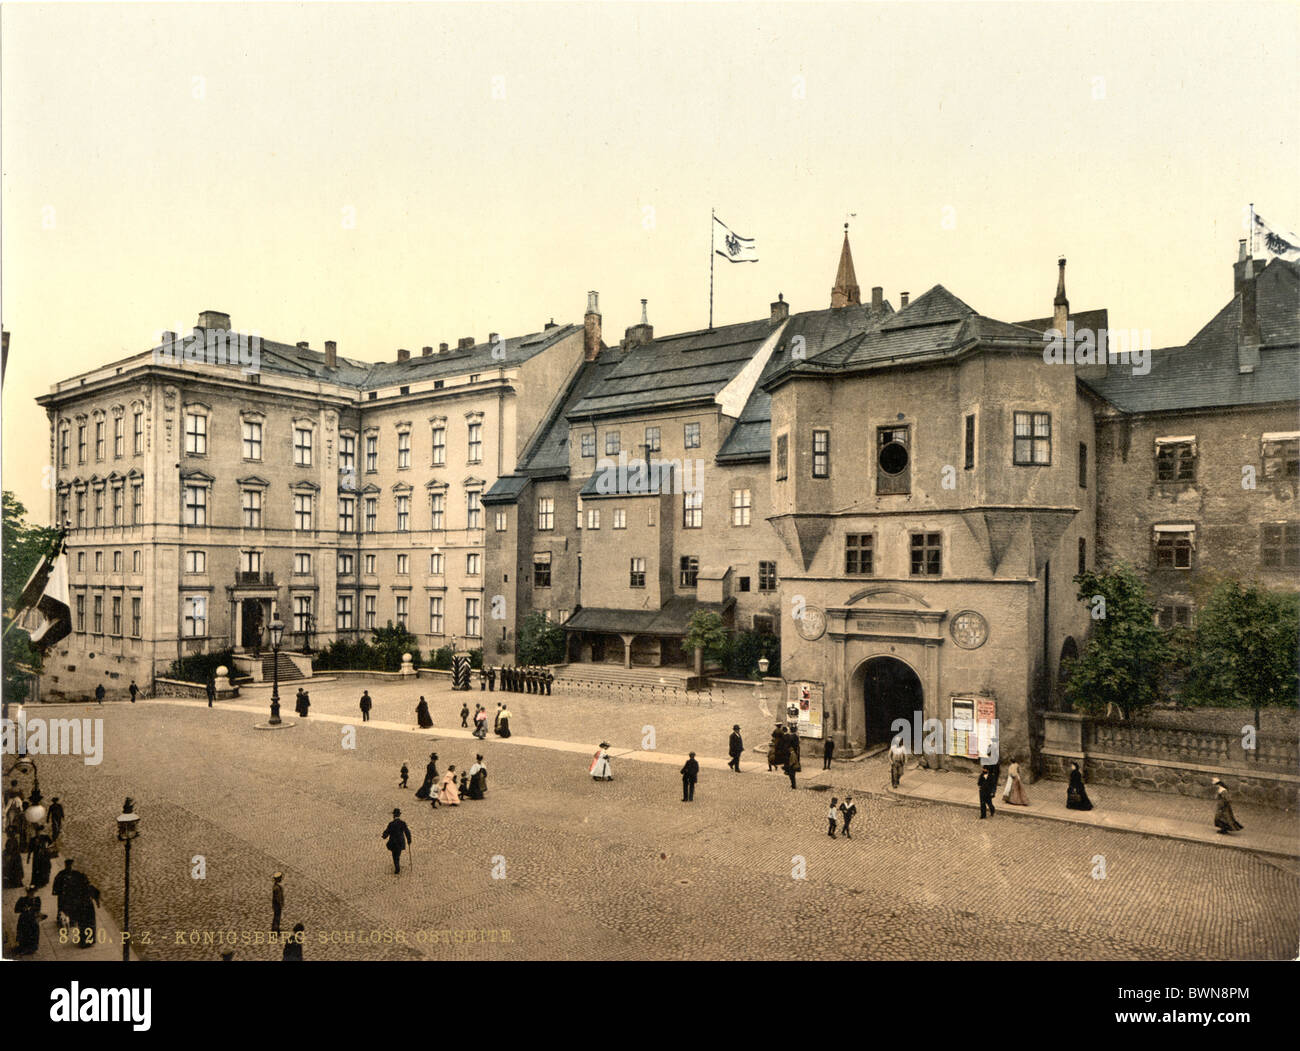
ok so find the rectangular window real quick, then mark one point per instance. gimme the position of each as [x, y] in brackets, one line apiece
[435, 563]
[652, 439]
[740, 507]
[1032, 439]
[135, 617]
[403, 564]
[689, 571]
[99, 506]
[346, 564]
[1281, 456]
[119, 436]
[372, 452]
[859, 554]
[302, 563]
[81, 613]
[99, 561]
[588, 443]
[81, 509]
[439, 446]
[347, 453]
[98, 615]
[403, 514]
[99, 439]
[502, 521]
[137, 503]
[252, 440]
[302, 446]
[302, 510]
[1279, 545]
[302, 614]
[474, 509]
[196, 616]
[137, 432]
[472, 623]
[250, 564]
[372, 513]
[1174, 549]
[252, 508]
[135, 561]
[546, 512]
[347, 514]
[927, 554]
[1176, 461]
[611, 443]
[369, 611]
[620, 518]
[593, 518]
[65, 447]
[437, 504]
[370, 565]
[1174, 615]
[1083, 555]
[403, 450]
[81, 443]
[196, 561]
[767, 576]
[403, 611]
[117, 505]
[435, 614]
[115, 616]
[782, 457]
[475, 443]
[636, 573]
[1083, 466]
[473, 564]
[742, 583]
[196, 434]
[117, 561]
[196, 505]
[343, 620]
[821, 462]
[542, 569]
[693, 509]
[970, 442]
[691, 435]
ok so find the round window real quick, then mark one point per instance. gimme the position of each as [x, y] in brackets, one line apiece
[893, 458]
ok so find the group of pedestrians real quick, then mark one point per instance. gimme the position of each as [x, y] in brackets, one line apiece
[526, 679]
[451, 791]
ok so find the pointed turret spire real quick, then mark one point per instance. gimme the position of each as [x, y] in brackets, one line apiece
[845, 292]
[1060, 305]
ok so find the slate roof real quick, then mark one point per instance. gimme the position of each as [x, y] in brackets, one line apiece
[673, 618]
[1203, 374]
[291, 360]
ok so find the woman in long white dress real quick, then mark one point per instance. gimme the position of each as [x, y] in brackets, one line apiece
[1015, 791]
[448, 793]
[600, 768]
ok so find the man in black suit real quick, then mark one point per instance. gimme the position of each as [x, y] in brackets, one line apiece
[735, 748]
[399, 838]
[690, 774]
[987, 784]
[828, 753]
[99, 693]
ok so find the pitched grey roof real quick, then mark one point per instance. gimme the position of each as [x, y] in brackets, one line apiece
[673, 618]
[506, 490]
[1204, 373]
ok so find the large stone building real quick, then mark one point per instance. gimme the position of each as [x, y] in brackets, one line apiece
[205, 498]
[904, 497]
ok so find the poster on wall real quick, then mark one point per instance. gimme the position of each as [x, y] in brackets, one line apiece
[803, 708]
[963, 739]
[986, 722]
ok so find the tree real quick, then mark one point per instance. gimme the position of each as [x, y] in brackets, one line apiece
[1125, 657]
[541, 641]
[23, 546]
[745, 649]
[706, 636]
[390, 642]
[1246, 648]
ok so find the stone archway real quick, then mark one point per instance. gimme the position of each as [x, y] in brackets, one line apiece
[891, 690]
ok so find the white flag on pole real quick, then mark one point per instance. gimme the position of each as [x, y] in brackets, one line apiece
[731, 246]
[1279, 243]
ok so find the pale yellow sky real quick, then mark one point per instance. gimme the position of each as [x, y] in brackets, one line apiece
[160, 160]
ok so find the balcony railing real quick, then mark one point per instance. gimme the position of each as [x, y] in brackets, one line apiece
[257, 578]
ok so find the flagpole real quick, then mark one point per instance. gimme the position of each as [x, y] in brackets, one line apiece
[1250, 254]
[712, 220]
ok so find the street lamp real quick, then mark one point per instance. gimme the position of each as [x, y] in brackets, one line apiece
[277, 634]
[35, 813]
[128, 827]
[763, 665]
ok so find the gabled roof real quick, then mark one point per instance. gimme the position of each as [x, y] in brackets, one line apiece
[1204, 373]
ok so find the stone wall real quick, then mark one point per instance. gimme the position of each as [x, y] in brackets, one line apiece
[179, 688]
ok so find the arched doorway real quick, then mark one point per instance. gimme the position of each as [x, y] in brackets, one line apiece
[1069, 652]
[890, 691]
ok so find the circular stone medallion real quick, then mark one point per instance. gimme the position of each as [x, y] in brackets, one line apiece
[969, 630]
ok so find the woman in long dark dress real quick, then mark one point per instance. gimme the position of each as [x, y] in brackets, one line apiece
[13, 862]
[425, 791]
[422, 716]
[41, 845]
[29, 923]
[1076, 796]
[1224, 819]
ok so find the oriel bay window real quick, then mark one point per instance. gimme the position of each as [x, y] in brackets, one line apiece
[1032, 439]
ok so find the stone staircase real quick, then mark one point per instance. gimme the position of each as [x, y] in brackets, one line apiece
[288, 670]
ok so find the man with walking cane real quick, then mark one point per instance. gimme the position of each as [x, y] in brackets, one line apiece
[399, 838]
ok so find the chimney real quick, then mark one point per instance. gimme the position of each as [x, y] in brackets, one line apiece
[168, 339]
[1060, 305]
[302, 344]
[464, 342]
[903, 299]
[549, 325]
[780, 310]
[1244, 263]
[1248, 336]
[331, 354]
[639, 335]
[443, 348]
[403, 355]
[591, 338]
[426, 352]
[492, 337]
[877, 299]
[214, 319]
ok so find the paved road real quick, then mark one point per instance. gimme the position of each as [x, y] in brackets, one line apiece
[554, 866]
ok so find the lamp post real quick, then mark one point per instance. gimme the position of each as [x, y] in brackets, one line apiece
[128, 827]
[763, 665]
[277, 634]
[35, 812]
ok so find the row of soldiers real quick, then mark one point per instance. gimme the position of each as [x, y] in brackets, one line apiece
[529, 679]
